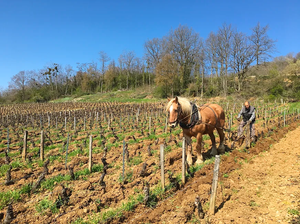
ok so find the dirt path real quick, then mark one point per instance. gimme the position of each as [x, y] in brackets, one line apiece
[260, 187]
[266, 189]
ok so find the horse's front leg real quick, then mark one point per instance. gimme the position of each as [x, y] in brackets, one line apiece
[188, 146]
[198, 149]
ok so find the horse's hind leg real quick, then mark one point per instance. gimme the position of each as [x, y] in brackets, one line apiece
[213, 142]
[198, 149]
[221, 147]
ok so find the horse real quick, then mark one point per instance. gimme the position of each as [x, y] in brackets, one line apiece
[195, 122]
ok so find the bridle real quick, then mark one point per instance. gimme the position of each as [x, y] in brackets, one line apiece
[179, 112]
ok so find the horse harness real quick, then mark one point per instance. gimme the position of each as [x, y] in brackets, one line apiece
[196, 117]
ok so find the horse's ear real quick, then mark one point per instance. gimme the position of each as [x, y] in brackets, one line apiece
[169, 99]
[176, 99]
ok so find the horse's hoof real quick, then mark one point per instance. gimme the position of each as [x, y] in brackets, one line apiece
[190, 162]
[221, 151]
[199, 161]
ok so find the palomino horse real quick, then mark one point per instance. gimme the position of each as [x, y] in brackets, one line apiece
[196, 121]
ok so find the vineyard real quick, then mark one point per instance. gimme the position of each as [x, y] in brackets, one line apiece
[100, 162]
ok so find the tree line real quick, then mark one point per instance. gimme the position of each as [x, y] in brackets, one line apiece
[181, 62]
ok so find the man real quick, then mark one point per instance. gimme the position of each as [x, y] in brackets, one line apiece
[248, 114]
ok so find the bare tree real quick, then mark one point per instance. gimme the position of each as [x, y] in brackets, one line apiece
[202, 59]
[104, 58]
[69, 72]
[128, 60]
[18, 83]
[167, 75]
[211, 52]
[262, 43]
[184, 45]
[224, 37]
[297, 56]
[154, 51]
[242, 56]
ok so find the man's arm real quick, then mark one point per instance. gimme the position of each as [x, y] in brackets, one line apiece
[240, 114]
[253, 116]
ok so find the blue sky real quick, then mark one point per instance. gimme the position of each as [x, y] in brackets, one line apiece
[35, 33]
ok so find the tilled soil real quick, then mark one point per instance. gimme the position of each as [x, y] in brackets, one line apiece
[261, 186]
[254, 186]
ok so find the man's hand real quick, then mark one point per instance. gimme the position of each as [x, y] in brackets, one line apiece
[239, 119]
[249, 122]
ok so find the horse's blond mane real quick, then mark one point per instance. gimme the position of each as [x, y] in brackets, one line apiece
[185, 105]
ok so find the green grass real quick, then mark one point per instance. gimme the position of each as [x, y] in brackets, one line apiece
[97, 168]
[135, 161]
[295, 105]
[45, 204]
[128, 176]
[51, 182]
[9, 196]
[83, 172]
[137, 95]
[14, 164]
[26, 189]
[293, 212]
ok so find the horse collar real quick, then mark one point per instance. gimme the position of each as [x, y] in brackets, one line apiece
[193, 120]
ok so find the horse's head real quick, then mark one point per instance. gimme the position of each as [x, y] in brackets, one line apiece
[174, 110]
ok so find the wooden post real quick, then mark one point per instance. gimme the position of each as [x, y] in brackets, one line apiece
[248, 139]
[67, 152]
[266, 119]
[214, 186]
[84, 126]
[42, 146]
[65, 123]
[149, 125]
[183, 161]
[230, 121]
[284, 118]
[74, 123]
[24, 153]
[123, 160]
[162, 166]
[56, 122]
[41, 125]
[90, 154]
[7, 140]
[166, 127]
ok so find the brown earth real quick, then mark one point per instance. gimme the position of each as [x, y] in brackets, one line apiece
[243, 196]
[261, 186]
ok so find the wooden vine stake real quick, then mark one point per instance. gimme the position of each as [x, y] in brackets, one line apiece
[90, 153]
[42, 146]
[183, 161]
[24, 153]
[7, 140]
[149, 125]
[67, 152]
[214, 186]
[123, 160]
[162, 166]
[166, 125]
